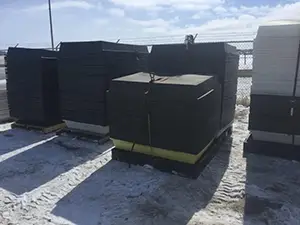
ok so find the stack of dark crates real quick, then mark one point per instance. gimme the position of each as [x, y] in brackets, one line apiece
[85, 72]
[218, 59]
[175, 117]
[32, 86]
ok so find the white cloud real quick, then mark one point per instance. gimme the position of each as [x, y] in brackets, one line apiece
[177, 4]
[202, 15]
[220, 9]
[193, 6]
[99, 6]
[236, 23]
[155, 22]
[61, 5]
[240, 23]
[212, 22]
[158, 30]
[102, 22]
[147, 23]
[288, 12]
[158, 26]
[116, 12]
[278, 11]
[256, 10]
[247, 19]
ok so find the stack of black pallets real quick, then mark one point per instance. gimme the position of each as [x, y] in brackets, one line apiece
[32, 86]
[173, 118]
[219, 59]
[85, 72]
[273, 114]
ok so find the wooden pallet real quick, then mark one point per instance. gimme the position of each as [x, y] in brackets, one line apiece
[171, 166]
[273, 149]
[44, 129]
[84, 135]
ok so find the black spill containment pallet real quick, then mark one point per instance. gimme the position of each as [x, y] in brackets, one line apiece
[44, 129]
[273, 149]
[84, 135]
[177, 111]
[170, 166]
[218, 59]
[85, 72]
[32, 85]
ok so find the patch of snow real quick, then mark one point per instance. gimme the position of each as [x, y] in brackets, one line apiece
[46, 179]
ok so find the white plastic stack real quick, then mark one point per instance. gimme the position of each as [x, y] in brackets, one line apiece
[275, 59]
[276, 52]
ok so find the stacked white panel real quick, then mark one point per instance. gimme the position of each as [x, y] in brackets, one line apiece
[275, 58]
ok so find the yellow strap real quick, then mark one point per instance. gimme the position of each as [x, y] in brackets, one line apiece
[159, 152]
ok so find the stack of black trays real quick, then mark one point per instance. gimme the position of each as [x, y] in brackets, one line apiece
[85, 72]
[272, 113]
[177, 116]
[32, 86]
[218, 59]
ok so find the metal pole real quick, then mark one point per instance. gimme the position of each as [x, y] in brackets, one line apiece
[51, 25]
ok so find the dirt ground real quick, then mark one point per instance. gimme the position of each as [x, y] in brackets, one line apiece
[45, 179]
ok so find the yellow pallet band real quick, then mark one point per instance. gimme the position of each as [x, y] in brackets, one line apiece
[162, 153]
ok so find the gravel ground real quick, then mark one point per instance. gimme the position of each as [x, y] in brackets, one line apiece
[45, 179]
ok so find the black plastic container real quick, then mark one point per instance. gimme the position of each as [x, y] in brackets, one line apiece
[218, 59]
[32, 86]
[85, 72]
[174, 113]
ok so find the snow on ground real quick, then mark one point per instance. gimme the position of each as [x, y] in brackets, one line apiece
[2, 83]
[45, 179]
[2, 61]
[2, 73]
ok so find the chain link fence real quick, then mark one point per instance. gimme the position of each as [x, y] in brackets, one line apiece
[245, 50]
[244, 47]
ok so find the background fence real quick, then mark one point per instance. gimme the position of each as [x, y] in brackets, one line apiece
[244, 47]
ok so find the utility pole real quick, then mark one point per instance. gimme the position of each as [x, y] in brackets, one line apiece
[51, 25]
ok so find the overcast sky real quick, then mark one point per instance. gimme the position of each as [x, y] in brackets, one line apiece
[26, 21]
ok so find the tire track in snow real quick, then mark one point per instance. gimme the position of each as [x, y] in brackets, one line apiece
[232, 185]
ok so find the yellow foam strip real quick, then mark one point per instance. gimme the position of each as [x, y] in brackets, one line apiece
[159, 152]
